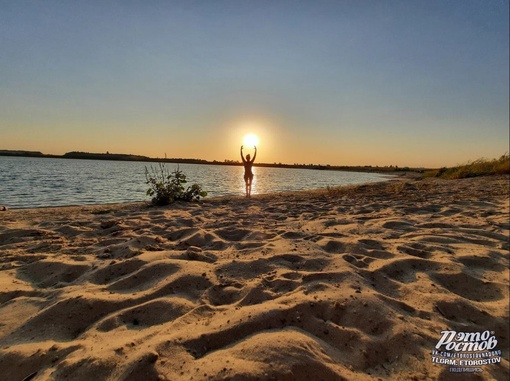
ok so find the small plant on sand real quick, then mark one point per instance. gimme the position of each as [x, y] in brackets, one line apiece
[166, 187]
[333, 191]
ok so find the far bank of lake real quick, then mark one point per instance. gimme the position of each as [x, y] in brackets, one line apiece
[129, 157]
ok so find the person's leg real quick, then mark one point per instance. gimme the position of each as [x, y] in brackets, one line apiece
[249, 186]
[251, 181]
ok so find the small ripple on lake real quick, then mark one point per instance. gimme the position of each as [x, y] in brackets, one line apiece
[39, 182]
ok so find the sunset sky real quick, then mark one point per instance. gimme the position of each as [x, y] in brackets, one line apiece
[369, 82]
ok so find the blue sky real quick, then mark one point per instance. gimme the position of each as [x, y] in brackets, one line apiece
[418, 83]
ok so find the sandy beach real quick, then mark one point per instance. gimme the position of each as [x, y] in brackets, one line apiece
[353, 283]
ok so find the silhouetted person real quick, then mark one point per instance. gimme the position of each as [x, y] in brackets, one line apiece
[248, 174]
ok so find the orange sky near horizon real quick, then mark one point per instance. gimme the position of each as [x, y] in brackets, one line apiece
[419, 84]
[277, 144]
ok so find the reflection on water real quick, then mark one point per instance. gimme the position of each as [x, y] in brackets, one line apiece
[35, 182]
[254, 182]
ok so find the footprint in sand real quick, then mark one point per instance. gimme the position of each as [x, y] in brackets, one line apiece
[358, 260]
[51, 273]
[154, 312]
[416, 250]
[145, 278]
[332, 246]
[470, 287]
[114, 270]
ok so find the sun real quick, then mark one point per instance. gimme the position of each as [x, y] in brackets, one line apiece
[251, 140]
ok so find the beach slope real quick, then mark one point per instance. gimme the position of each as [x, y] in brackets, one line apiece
[351, 283]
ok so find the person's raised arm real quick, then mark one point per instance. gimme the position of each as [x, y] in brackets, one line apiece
[242, 157]
[255, 154]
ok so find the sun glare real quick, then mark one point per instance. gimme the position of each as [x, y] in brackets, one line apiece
[250, 140]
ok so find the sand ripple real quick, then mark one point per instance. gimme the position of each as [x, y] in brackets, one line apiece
[346, 284]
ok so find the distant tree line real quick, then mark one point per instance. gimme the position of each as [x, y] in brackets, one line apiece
[129, 157]
[6, 152]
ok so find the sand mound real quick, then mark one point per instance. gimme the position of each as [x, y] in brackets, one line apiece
[343, 284]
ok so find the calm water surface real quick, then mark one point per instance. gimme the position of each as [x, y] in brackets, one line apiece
[38, 182]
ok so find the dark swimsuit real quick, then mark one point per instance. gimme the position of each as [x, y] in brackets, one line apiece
[248, 174]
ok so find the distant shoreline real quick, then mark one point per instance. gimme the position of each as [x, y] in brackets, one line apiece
[130, 157]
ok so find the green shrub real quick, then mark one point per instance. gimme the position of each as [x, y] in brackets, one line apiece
[480, 167]
[166, 187]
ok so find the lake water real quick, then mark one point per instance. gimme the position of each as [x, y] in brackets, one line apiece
[37, 182]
